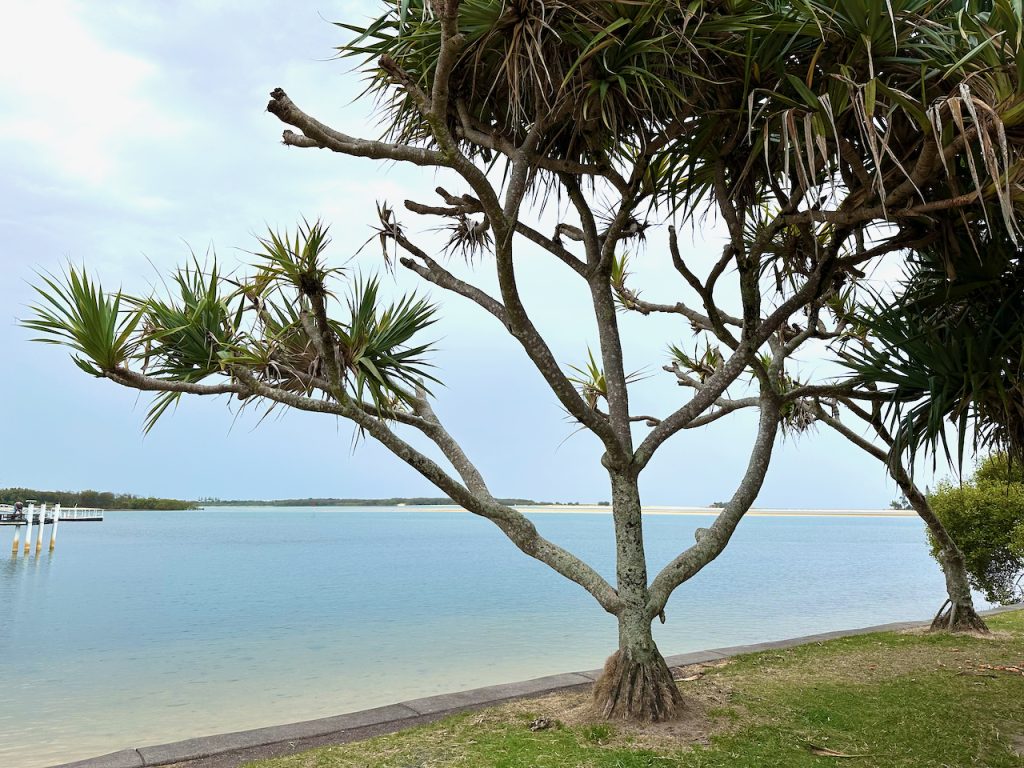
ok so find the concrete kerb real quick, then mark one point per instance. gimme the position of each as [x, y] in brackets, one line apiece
[478, 697]
[293, 737]
[192, 749]
[126, 758]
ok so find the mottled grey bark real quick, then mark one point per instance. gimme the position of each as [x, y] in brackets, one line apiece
[636, 682]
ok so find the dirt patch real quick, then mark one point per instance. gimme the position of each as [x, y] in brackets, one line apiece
[999, 635]
[1017, 744]
[707, 711]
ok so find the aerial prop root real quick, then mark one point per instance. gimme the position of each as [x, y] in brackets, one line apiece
[958, 617]
[637, 687]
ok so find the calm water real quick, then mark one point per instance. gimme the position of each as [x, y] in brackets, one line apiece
[152, 626]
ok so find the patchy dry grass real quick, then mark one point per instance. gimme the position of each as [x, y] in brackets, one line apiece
[887, 700]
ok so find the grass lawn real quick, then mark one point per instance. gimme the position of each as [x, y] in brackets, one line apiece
[887, 700]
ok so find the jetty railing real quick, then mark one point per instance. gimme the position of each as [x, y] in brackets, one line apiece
[81, 513]
[10, 516]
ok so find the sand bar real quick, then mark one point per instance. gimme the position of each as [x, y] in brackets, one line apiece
[582, 509]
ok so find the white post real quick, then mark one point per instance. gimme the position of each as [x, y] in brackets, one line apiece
[14, 547]
[42, 524]
[28, 527]
[53, 529]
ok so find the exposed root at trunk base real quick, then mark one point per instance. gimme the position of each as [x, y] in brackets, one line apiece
[637, 690]
[958, 617]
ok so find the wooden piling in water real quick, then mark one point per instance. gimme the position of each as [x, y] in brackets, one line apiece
[53, 526]
[42, 525]
[28, 527]
[14, 547]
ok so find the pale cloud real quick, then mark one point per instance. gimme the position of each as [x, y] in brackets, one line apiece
[71, 100]
[351, 201]
[134, 129]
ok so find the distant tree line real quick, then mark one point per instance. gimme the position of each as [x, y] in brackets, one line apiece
[100, 499]
[327, 502]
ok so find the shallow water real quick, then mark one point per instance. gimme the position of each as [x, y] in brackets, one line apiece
[157, 626]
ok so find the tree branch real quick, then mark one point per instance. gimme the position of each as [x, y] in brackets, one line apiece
[633, 302]
[316, 134]
[451, 45]
[737, 362]
[716, 318]
[552, 247]
[711, 541]
[134, 380]
[723, 409]
[434, 273]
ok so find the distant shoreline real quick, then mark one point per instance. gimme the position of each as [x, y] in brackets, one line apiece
[593, 509]
[705, 511]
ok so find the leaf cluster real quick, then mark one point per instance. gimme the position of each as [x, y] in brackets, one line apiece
[591, 382]
[703, 363]
[73, 310]
[998, 468]
[772, 95]
[950, 351]
[280, 325]
[600, 73]
[186, 335]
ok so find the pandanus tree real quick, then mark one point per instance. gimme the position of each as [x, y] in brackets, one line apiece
[944, 353]
[820, 133]
[943, 350]
[944, 346]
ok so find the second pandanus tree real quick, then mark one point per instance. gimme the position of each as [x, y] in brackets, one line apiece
[943, 357]
[820, 134]
[943, 351]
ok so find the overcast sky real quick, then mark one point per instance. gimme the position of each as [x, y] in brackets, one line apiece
[134, 131]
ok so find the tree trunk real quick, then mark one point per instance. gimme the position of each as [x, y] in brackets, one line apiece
[957, 613]
[636, 683]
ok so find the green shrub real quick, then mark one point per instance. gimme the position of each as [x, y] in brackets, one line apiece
[997, 469]
[985, 517]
